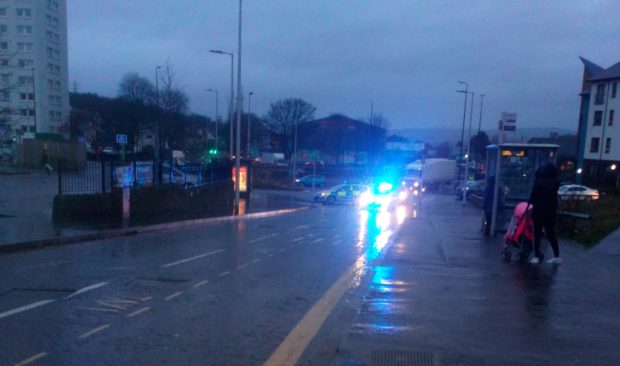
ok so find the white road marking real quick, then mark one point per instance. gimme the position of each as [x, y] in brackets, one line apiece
[301, 227]
[201, 283]
[256, 260]
[91, 332]
[270, 255]
[123, 301]
[101, 309]
[113, 305]
[317, 240]
[86, 289]
[25, 308]
[174, 295]
[146, 298]
[139, 311]
[225, 273]
[298, 239]
[167, 265]
[31, 359]
[263, 238]
[242, 266]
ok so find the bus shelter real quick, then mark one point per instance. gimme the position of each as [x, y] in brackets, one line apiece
[512, 167]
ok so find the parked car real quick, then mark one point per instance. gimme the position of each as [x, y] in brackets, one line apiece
[319, 180]
[471, 187]
[577, 192]
[340, 193]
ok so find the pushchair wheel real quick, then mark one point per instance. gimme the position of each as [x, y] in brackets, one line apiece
[506, 255]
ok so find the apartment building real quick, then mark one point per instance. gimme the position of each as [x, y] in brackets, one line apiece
[599, 132]
[34, 90]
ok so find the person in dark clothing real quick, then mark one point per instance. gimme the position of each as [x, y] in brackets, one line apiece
[45, 160]
[544, 201]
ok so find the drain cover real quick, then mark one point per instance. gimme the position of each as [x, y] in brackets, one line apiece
[401, 358]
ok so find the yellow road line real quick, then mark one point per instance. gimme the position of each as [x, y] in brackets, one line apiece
[139, 311]
[289, 351]
[91, 332]
[31, 359]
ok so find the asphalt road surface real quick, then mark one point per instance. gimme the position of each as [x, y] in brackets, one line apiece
[220, 294]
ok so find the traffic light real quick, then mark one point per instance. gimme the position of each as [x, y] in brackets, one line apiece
[213, 152]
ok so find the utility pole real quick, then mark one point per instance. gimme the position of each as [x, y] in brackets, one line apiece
[239, 107]
[247, 150]
[471, 112]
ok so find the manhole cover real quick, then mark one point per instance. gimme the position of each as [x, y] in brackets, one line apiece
[402, 358]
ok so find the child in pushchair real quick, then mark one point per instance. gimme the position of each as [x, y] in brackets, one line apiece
[519, 236]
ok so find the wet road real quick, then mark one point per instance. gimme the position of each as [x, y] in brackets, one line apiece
[220, 294]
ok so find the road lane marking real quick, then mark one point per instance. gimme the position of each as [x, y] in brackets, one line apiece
[147, 298]
[31, 359]
[263, 238]
[289, 351]
[242, 266]
[100, 309]
[91, 332]
[301, 227]
[317, 240]
[256, 260]
[168, 298]
[113, 305]
[123, 301]
[225, 273]
[181, 261]
[298, 239]
[139, 311]
[201, 283]
[86, 289]
[25, 308]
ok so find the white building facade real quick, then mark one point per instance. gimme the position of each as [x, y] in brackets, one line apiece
[599, 129]
[34, 90]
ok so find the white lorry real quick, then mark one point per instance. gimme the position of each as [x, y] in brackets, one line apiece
[433, 173]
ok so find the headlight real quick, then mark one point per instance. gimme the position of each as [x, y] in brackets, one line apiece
[402, 195]
[323, 194]
[416, 192]
[416, 184]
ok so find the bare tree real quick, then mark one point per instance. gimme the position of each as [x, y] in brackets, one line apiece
[283, 115]
[379, 121]
[172, 97]
[136, 88]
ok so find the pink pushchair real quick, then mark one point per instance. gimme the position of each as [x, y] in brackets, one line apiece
[520, 235]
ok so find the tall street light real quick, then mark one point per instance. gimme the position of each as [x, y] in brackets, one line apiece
[480, 120]
[232, 93]
[239, 108]
[216, 117]
[247, 151]
[466, 91]
[471, 113]
[157, 169]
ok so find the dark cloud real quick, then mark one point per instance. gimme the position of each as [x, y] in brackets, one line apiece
[404, 55]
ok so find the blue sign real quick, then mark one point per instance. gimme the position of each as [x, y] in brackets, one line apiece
[121, 139]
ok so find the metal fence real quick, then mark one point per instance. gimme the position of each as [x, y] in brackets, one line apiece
[103, 176]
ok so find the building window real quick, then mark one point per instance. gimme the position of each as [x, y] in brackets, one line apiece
[4, 62]
[598, 118]
[594, 144]
[3, 28]
[24, 29]
[25, 80]
[24, 46]
[57, 84]
[2, 12]
[611, 118]
[600, 94]
[25, 63]
[26, 96]
[27, 112]
[6, 78]
[5, 95]
[4, 45]
[614, 88]
[607, 145]
[24, 13]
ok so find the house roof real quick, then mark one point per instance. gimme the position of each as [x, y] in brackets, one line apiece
[598, 73]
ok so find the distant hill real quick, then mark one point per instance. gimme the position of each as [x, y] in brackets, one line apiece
[435, 136]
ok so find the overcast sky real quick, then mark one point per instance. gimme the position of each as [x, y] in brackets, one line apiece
[406, 55]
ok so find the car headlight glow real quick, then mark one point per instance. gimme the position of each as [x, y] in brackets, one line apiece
[402, 195]
[416, 184]
[385, 187]
[366, 198]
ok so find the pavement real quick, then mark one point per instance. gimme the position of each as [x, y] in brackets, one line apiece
[333, 285]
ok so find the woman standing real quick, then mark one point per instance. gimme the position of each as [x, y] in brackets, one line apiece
[544, 199]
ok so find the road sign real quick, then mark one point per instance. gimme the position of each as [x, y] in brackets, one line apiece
[508, 122]
[121, 139]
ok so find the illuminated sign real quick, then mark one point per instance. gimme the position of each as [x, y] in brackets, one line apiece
[520, 153]
[243, 178]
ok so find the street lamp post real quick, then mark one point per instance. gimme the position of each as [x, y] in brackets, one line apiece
[216, 117]
[239, 107]
[34, 100]
[157, 169]
[247, 151]
[466, 91]
[471, 112]
[476, 147]
[232, 93]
